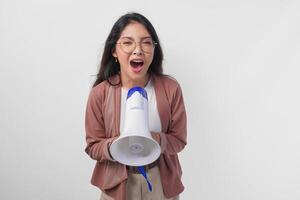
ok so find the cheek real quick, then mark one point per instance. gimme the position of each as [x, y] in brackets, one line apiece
[123, 58]
[150, 59]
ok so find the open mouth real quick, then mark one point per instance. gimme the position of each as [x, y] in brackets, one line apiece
[136, 65]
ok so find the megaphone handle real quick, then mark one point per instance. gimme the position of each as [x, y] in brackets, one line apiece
[143, 172]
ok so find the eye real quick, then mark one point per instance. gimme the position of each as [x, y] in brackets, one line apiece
[147, 42]
[127, 43]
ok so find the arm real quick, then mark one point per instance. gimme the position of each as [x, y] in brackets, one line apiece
[174, 140]
[97, 142]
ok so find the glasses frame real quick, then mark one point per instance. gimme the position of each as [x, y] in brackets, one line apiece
[135, 45]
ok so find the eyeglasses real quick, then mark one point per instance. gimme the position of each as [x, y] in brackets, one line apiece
[128, 45]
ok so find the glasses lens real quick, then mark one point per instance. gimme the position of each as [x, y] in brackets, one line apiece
[147, 45]
[127, 45]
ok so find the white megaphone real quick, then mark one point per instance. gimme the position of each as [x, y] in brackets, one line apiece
[135, 146]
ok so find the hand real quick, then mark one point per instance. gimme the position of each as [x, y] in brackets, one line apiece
[155, 136]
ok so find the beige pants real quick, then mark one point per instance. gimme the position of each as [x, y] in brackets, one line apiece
[137, 188]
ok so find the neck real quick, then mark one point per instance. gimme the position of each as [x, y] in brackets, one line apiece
[129, 83]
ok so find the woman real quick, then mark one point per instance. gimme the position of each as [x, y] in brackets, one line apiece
[133, 57]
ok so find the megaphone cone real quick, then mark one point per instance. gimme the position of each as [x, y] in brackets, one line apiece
[135, 146]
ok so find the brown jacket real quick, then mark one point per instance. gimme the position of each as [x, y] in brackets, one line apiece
[102, 123]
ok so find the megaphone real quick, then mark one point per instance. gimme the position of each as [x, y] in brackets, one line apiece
[135, 146]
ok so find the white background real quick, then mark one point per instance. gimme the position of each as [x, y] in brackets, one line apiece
[238, 65]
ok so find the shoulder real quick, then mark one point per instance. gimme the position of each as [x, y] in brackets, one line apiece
[168, 82]
[98, 93]
[102, 88]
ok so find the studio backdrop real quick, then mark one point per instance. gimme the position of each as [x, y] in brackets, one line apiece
[236, 61]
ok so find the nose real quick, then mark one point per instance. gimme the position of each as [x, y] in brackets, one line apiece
[137, 50]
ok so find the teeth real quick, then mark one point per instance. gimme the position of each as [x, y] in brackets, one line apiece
[137, 61]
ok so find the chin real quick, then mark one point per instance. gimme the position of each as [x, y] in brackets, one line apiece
[138, 76]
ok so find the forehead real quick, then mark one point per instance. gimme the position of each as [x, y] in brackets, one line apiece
[135, 30]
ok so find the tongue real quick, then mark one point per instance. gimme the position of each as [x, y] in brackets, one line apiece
[136, 67]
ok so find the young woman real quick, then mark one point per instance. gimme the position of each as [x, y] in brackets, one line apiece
[133, 57]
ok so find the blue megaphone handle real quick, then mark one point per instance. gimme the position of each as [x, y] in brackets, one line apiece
[143, 172]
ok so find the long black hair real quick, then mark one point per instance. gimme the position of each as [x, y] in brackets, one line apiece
[108, 65]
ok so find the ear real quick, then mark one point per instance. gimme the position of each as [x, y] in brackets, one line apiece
[114, 53]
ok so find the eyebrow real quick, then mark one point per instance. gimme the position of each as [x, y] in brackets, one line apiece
[128, 37]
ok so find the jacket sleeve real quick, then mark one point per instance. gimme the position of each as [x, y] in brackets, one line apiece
[97, 142]
[174, 140]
